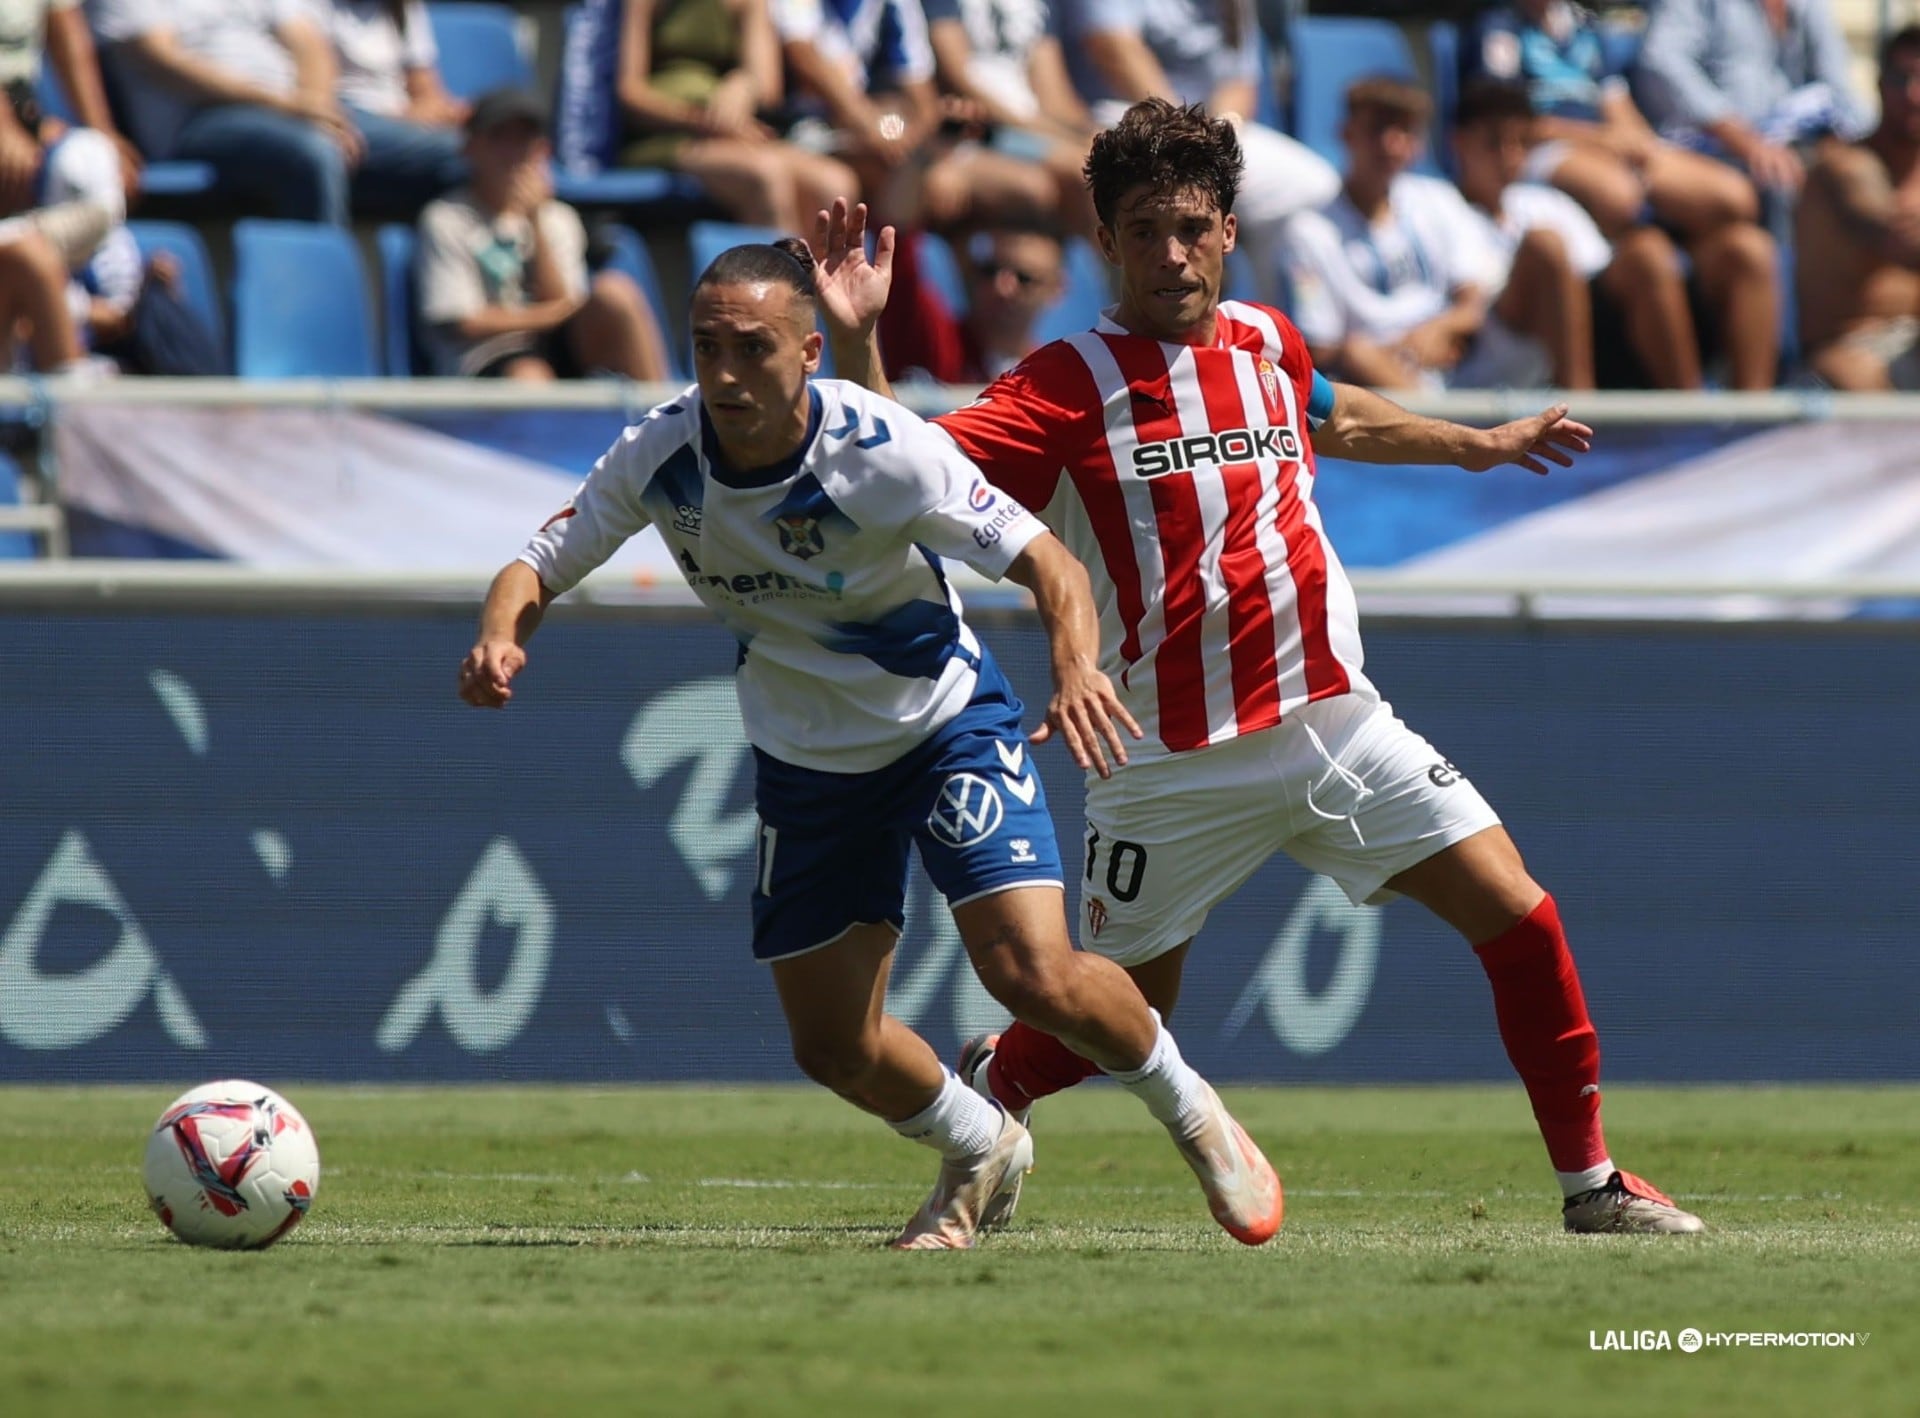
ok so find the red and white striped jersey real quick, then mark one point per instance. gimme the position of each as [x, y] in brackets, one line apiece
[1183, 478]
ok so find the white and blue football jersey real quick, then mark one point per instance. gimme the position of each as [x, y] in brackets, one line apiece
[826, 568]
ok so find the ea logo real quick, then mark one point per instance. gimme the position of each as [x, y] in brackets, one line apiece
[968, 810]
[1691, 1340]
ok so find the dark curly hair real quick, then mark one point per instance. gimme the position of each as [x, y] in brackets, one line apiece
[787, 262]
[1169, 148]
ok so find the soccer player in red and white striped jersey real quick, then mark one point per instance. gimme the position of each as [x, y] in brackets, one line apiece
[1172, 448]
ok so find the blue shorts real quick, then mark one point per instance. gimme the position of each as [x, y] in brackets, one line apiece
[833, 846]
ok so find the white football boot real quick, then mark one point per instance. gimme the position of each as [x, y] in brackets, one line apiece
[975, 1054]
[1243, 1192]
[1626, 1205]
[953, 1214]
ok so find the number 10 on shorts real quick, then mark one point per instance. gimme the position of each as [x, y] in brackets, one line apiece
[1126, 865]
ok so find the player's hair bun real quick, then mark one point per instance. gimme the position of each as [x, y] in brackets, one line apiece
[798, 250]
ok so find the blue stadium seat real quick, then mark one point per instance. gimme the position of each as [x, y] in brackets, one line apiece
[395, 244]
[1328, 55]
[299, 302]
[480, 48]
[627, 253]
[185, 244]
[1088, 293]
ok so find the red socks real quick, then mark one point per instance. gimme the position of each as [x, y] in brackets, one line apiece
[1544, 1024]
[1028, 1065]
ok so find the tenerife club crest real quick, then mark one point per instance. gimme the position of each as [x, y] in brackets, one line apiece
[800, 535]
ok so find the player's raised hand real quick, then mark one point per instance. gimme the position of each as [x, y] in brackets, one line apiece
[1087, 713]
[1549, 437]
[853, 290]
[486, 675]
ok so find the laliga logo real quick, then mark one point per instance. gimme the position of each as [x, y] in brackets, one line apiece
[968, 810]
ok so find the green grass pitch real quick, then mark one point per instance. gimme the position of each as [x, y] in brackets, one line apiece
[691, 1251]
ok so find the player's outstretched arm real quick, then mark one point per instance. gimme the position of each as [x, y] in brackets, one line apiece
[1084, 706]
[853, 291]
[515, 602]
[1370, 428]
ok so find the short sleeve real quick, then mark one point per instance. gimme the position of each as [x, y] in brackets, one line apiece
[117, 20]
[971, 521]
[602, 513]
[1017, 428]
[446, 272]
[421, 52]
[797, 20]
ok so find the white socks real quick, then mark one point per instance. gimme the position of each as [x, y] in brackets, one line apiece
[958, 1124]
[1573, 1183]
[1171, 1090]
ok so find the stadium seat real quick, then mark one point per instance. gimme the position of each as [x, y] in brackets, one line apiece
[299, 303]
[398, 349]
[481, 48]
[627, 253]
[185, 244]
[1088, 293]
[1328, 55]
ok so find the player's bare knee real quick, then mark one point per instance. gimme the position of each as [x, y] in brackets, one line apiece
[614, 290]
[839, 1063]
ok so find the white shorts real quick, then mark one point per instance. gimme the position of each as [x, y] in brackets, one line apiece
[1341, 786]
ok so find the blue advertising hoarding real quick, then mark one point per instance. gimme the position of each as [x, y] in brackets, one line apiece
[276, 844]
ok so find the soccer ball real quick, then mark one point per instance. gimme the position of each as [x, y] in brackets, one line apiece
[231, 1165]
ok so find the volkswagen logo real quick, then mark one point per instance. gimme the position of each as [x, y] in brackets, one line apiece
[968, 810]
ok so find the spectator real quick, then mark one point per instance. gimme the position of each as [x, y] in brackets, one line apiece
[696, 79]
[1592, 141]
[502, 276]
[1011, 277]
[1637, 279]
[1859, 241]
[33, 301]
[1748, 79]
[868, 66]
[1205, 52]
[30, 31]
[246, 85]
[1397, 285]
[1003, 58]
[390, 87]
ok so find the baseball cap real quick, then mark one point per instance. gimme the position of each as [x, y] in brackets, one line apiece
[503, 106]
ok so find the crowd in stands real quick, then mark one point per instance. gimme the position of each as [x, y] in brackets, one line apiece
[1691, 195]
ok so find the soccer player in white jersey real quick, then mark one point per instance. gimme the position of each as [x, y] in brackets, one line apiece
[1172, 447]
[811, 516]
